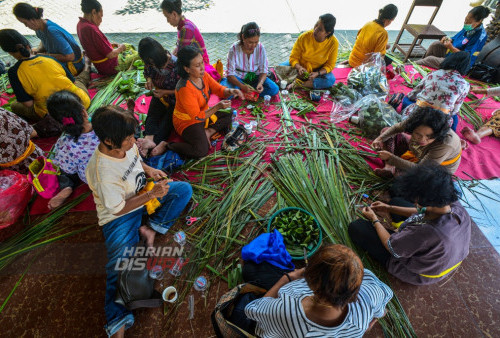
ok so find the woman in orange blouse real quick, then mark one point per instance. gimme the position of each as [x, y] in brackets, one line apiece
[193, 119]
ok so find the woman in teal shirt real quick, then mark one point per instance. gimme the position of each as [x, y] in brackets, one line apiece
[55, 40]
[470, 39]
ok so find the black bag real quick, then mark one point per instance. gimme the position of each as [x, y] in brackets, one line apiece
[135, 289]
[483, 73]
[486, 67]
[221, 315]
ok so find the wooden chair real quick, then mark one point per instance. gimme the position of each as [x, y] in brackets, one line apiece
[419, 32]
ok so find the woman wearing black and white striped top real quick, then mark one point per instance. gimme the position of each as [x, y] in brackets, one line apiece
[335, 297]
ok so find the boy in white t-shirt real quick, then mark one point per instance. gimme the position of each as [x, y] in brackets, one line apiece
[116, 175]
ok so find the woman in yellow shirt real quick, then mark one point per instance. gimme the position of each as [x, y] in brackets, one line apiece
[372, 37]
[315, 52]
[34, 78]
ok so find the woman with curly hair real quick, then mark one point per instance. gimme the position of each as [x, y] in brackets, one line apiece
[434, 237]
[334, 296]
[431, 140]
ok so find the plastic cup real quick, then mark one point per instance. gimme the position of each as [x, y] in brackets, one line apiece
[248, 128]
[175, 270]
[267, 100]
[200, 284]
[169, 294]
[180, 238]
[156, 272]
[283, 84]
[254, 125]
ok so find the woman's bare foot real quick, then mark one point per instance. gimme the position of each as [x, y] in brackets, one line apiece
[159, 149]
[59, 199]
[464, 144]
[470, 135]
[386, 172]
[144, 144]
[147, 234]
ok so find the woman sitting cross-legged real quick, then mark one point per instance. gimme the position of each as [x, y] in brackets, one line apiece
[373, 38]
[315, 52]
[332, 297]
[193, 119]
[432, 241]
[73, 149]
[248, 57]
[122, 194]
[161, 76]
[104, 54]
[431, 140]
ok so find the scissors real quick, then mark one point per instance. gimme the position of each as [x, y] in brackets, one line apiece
[190, 220]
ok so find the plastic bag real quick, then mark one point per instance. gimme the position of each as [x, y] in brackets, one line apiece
[340, 113]
[369, 77]
[344, 95]
[374, 115]
[15, 193]
[344, 99]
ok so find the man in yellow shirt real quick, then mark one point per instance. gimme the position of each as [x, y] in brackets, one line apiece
[315, 52]
[373, 37]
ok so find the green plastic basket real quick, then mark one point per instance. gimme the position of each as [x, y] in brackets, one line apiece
[320, 239]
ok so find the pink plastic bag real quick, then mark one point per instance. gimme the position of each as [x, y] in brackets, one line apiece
[15, 193]
[43, 175]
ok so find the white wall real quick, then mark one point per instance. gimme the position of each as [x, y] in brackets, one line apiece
[274, 16]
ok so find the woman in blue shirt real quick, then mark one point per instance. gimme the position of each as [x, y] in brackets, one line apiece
[470, 39]
[55, 40]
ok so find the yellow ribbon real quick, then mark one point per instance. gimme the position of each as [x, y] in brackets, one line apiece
[152, 204]
[409, 156]
[100, 61]
[29, 150]
[71, 66]
[444, 272]
[424, 104]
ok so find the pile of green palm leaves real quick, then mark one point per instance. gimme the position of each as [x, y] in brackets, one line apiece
[320, 180]
[313, 167]
[110, 92]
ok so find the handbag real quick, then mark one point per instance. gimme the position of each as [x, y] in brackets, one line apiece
[43, 175]
[483, 72]
[135, 289]
[485, 68]
[223, 327]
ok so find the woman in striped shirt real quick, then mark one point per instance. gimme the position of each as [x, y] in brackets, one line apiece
[332, 297]
[247, 64]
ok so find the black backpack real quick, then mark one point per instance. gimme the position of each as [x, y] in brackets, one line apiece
[487, 65]
[135, 289]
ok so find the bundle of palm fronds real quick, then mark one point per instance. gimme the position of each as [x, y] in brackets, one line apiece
[318, 180]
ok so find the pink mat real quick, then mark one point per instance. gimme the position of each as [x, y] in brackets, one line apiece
[479, 161]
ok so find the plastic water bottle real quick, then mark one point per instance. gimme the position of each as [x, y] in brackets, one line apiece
[234, 120]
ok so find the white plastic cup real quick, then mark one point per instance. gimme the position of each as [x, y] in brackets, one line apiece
[169, 294]
[267, 100]
[354, 119]
[254, 125]
[248, 128]
[283, 84]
